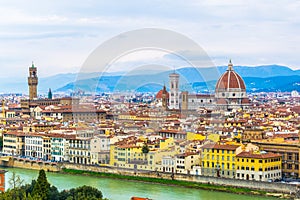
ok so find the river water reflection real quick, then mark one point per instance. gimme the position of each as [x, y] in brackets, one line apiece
[123, 190]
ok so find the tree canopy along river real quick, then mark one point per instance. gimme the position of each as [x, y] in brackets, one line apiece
[114, 189]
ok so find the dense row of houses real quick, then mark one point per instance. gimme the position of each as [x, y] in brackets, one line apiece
[152, 152]
[63, 147]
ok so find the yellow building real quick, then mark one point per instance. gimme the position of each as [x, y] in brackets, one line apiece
[195, 136]
[14, 143]
[129, 154]
[259, 166]
[219, 160]
[289, 151]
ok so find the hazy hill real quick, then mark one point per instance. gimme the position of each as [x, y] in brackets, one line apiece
[152, 80]
[261, 78]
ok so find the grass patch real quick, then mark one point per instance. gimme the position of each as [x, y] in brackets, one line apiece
[179, 183]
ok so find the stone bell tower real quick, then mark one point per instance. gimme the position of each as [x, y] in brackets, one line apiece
[32, 82]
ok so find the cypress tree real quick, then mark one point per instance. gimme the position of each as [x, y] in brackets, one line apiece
[41, 188]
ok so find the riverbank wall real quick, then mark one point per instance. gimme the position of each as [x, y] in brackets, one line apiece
[271, 187]
[30, 164]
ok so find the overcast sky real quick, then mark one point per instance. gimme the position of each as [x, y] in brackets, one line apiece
[59, 35]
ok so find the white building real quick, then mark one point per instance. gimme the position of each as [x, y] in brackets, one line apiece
[100, 149]
[59, 149]
[168, 164]
[34, 146]
[184, 163]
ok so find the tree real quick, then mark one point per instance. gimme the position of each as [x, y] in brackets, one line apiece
[41, 189]
[145, 149]
[15, 183]
[1, 143]
[81, 193]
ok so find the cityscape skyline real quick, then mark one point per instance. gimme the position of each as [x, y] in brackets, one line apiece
[60, 35]
[188, 95]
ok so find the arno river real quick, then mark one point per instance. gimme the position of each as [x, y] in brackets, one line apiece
[123, 190]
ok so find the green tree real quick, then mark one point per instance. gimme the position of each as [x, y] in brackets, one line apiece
[145, 149]
[41, 188]
[53, 194]
[85, 193]
[1, 143]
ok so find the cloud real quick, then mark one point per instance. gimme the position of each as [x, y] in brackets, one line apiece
[61, 34]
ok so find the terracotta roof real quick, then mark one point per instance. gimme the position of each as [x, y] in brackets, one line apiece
[230, 79]
[220, 146]
[159, 95]
[257, 156]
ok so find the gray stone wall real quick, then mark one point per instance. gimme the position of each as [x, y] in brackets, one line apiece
[265, 186]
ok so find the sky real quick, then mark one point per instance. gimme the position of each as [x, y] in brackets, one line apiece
[59, 35]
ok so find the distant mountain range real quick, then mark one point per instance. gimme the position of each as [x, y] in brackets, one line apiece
[259, 78]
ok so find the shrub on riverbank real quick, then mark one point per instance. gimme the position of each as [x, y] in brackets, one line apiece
[42, 190]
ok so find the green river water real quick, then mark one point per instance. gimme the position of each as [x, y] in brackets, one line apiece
[123, 190]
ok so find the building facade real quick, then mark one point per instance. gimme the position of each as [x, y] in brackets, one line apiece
[174, 91]
[258, 166]
[219, 160]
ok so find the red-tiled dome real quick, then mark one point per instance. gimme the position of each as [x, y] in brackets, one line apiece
[159, 95]
[230, 80]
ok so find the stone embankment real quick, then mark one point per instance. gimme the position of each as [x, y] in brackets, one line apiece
[283, 188]
[272, 187]
[29, 164]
